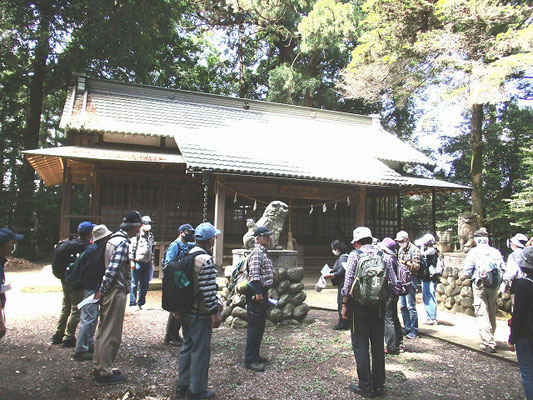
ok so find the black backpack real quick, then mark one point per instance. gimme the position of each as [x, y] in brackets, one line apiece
[64, 254]
[93, 269]
[180, 284]
[74, 270]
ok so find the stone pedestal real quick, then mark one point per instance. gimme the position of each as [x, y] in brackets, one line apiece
[280, 258]
[455, 293]
[287, 289]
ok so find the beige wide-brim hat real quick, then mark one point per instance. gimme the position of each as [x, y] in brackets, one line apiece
[100, 232]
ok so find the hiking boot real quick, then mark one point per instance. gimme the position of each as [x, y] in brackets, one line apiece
[83, 356]
[262, 360]
[69, 342]
[57, 338]
[173, 342]
[379, 392]
[208, 394]
[487, 349]
[340, 327]
[256, 367]
[367, 393]
[114, 379]
[392, 352]
[181, 391]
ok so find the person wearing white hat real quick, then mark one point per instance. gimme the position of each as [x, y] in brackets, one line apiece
[141, 253]
[512, 270]
[368, 323]
[483, 265]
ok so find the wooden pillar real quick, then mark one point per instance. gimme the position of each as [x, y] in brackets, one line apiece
[66, 203]
[399, 209]
[360, 216]
[220, 207]
[433, 212]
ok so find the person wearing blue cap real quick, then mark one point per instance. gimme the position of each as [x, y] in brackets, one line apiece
[198, 323]
[8, 243]
[177, 250]
[261, 278]
[64, 254]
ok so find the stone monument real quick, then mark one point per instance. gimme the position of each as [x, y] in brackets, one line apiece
[288, 286]
[467, 224]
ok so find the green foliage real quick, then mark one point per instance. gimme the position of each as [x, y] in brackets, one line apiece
[507, 133]
[521, 202]
[137, 41]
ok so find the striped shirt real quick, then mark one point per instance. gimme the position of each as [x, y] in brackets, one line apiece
[119, 259]
[260, 273]
[207, 281]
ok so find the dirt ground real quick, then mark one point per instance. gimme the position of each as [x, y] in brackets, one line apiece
[308, 362]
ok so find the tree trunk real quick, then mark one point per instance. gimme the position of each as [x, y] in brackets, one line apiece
[476, 166]
[312, 71]
[25, 207]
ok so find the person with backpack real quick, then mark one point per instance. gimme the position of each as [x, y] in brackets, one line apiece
[399, 284]
[177, 250]
[112, 297]
[65, 253]
[409, 255]
[430, 255]
[260, 279]
[483, 265]
[8, 243]
[521, 337]
[92, 268]
[337, 274]
[365, 294]
[198, 322]
[512, 270]
[141, 262]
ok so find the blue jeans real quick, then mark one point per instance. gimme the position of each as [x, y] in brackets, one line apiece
[408, 308]
[429, 299]
[88, 320]
[140, 278]
[524, 355]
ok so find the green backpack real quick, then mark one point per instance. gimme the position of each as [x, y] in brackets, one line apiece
[370, 285]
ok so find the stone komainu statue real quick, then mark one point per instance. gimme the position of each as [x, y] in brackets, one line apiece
[466, 226]
[273, 219]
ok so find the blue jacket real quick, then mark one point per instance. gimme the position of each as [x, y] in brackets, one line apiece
[176, 250]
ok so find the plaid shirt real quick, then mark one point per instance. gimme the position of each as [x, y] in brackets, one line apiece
[260, 274]
[410, 257]
[119, 258]
[351, 264]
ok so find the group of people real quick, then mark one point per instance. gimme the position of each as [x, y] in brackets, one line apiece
[114, 266]
[407, 263]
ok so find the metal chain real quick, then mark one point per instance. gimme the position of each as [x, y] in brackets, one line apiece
[206, 192]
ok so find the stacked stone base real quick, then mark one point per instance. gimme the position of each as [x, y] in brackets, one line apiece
[287, 289]
[455, 293]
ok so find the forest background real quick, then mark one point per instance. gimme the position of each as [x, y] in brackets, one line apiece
[411, 61]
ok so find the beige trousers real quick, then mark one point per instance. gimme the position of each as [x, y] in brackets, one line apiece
[485, 306]
[109, 334]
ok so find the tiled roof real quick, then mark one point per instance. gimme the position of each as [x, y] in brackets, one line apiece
[49, 162]
[244, 136]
